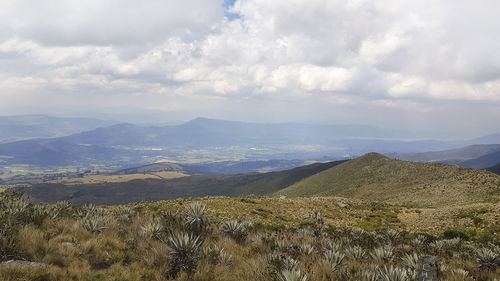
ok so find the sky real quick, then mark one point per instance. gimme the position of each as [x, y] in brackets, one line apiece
[427, 65]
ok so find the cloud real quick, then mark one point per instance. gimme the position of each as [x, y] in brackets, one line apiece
[230, 57]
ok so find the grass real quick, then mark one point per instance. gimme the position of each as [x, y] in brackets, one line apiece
[376, 177]
[98, 179]
[249, 238]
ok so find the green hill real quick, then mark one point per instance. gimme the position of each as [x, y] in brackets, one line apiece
[376, 177]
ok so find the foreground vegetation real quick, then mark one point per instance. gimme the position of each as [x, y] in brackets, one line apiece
[242, 239]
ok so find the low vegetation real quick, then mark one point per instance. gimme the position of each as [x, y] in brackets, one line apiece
[376, 177]
[233, 239]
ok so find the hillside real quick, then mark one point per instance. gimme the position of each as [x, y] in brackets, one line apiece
[217, 168]
[459, 154]
[482, 162]
[495, 169]
[376, 177]
[159, 189]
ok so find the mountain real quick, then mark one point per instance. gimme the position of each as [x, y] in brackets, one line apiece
[191, 186]
[495, 169]
[202, 132]
[452, 155]
[482, 162]
[488, 139]
[211, 140]
[41, 126]
[56, 152]
[376, 177]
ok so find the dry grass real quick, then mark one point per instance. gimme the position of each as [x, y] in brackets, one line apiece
[295, 232]
[97, 179]
[376, 177]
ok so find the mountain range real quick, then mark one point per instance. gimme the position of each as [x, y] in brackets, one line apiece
[372, 176]
[42, 126]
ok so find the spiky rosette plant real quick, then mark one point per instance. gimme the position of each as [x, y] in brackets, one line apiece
[390, 273]
[488, 259]
[151, 229]
[183, 253]
[195, 219]
[355, 252]
[238, 230]
[334, 258]
[292, 275]
[281, 262]
[216, 255]
[382, 254]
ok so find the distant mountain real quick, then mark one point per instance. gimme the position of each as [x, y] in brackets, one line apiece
[56, 152]
[202, 132]
[452, 155]
[191, 186]
[219, 137]
[482, 162]
[41, 126]
[488, 139]
[495, 169]
[376, 177]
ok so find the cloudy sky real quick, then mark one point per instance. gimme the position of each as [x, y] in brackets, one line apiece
[424, 64]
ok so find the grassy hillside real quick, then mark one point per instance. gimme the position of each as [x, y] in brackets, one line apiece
[159, 189]
[245, 239]
[376, 177]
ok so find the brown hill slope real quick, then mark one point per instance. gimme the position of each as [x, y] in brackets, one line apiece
[376, 177]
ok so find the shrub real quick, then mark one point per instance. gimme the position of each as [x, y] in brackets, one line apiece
[488, 259]
[216, 255]
[382, 253]
[355, 252]
[152, 229]
[238, 230]
[281, 262]
[333, 258]
[393, 274]
[195, 219]
[183, 253]
[292, 275]
[453, 233]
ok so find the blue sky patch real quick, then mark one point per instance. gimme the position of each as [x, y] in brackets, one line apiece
[227, 6]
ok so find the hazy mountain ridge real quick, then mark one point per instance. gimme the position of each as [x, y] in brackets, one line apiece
[43, 126]
[458, 154]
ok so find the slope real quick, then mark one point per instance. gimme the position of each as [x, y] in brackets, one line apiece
[495, 169]
[376, 177]
[482, 162]
[191, 186]
[459, 154]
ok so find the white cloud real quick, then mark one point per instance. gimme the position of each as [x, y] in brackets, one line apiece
[385, 54]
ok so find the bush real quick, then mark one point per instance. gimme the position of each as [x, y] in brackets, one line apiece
[183, 253]
[453, 233]
[238, 230]
[195, 219]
